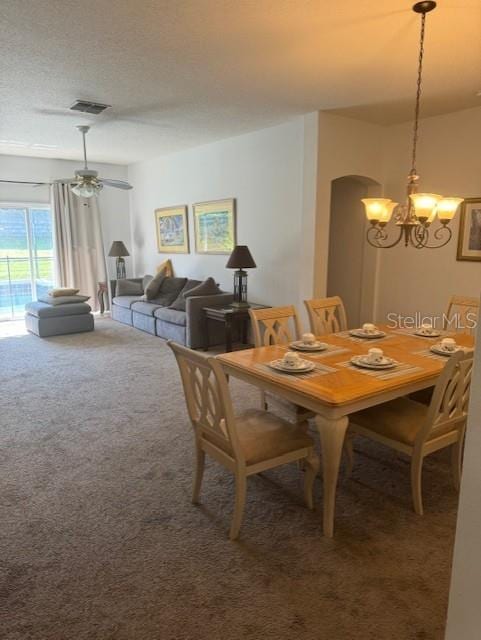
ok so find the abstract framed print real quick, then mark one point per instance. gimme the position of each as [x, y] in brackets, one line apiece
[215, 226]
[172, 229]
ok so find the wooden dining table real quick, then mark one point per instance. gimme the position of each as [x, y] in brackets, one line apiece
[336, 388]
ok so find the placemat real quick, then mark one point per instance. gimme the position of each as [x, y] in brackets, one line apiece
[401, 369]
[346, 334]
[320, 370]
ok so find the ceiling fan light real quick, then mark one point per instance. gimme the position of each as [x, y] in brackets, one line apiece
[86, 189]
[447, 207]
[376, 208]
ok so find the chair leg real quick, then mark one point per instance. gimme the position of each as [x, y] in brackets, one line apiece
[349, 451]
[456, 461]
[416, 480]
[264, 405]
[240, 498]
[312, 464]
[199, 472]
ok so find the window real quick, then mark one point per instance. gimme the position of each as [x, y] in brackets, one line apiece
[26, 256]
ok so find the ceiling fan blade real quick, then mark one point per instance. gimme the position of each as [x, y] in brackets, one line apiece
[118, 184]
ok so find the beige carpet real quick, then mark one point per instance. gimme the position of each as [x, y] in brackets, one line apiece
[99, 539]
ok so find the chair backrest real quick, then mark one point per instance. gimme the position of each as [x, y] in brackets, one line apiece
[326, 315]
[449, 404]
[208, 398]
[277, 325]
[462, 314]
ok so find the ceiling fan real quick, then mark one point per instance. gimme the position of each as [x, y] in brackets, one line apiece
[86, 183]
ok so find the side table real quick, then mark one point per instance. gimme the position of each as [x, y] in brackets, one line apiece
[102, 292]
[230, 316]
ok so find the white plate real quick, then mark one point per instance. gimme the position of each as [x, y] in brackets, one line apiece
[433, 334]
[300, 346]
[279, 365]
[359, 333]
[361, 361]
[436, 348]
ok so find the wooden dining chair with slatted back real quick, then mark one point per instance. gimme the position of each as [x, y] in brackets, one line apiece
[326, 315]
[417, 429]
[278, 326]
[462, 314]
[249, 443]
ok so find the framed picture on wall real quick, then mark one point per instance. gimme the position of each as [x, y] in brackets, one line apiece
[469, 241]
[172, 229]
[215, 226]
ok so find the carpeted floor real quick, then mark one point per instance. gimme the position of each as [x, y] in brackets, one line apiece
[99, 539]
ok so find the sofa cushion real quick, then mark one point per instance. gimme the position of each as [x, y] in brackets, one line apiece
[171, 315]
[166, 268]
[179, 302]
[207, 288]
[44, 310]
[169, 290]
[145, 308]
[62, 299]
[125, 301]
[152, 289]
[126, 287]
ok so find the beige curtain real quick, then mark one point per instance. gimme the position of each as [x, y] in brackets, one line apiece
[79, 249]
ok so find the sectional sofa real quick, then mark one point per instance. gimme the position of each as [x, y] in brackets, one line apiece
[164, 316]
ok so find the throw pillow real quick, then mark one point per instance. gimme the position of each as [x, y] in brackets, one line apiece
[146, 280]
[62, 299]
[166, 268]
[128, 288]
[63, 291]
[179, 302]
[207, 288]
[152, 289]
[168, 291]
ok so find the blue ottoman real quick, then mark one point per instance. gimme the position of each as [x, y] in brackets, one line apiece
[46, 320]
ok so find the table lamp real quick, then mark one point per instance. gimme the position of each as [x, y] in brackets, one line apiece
[240, 259]
[119, 250]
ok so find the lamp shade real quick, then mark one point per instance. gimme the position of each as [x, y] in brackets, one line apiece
[241, 258]
[118, 249]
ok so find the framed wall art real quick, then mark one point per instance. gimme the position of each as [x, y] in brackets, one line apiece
[469, 241]
[172, 229]
[215, 226]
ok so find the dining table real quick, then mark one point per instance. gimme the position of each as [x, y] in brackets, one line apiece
[336, 388]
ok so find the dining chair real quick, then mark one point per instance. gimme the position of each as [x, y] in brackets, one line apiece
[462, 314]
[326, 315]
[417, 429]
[278, 326]
[246, 444]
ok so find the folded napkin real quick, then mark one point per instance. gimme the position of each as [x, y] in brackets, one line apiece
[62, 291]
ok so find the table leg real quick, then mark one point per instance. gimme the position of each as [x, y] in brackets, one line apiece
[228, 335]
[331, 432]
[100, 296]
[205, 322]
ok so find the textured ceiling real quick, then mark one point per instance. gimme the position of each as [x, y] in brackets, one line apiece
[184, 72]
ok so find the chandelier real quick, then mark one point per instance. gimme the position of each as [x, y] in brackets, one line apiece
[414, 218]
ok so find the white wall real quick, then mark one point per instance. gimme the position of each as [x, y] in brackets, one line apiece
[347, 147]
[449, 163]
[464, 613]
[113, 203]
[271, 173]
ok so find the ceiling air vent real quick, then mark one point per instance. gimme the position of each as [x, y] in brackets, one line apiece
[85, 106]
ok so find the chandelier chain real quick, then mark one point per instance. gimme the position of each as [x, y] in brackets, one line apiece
[418, 95]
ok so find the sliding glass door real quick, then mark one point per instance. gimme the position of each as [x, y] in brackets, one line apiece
[26, 257]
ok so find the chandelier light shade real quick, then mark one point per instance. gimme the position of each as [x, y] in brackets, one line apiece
[87, 189]
[413, 218]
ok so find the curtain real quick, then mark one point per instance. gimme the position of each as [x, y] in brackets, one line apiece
[79, 249]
